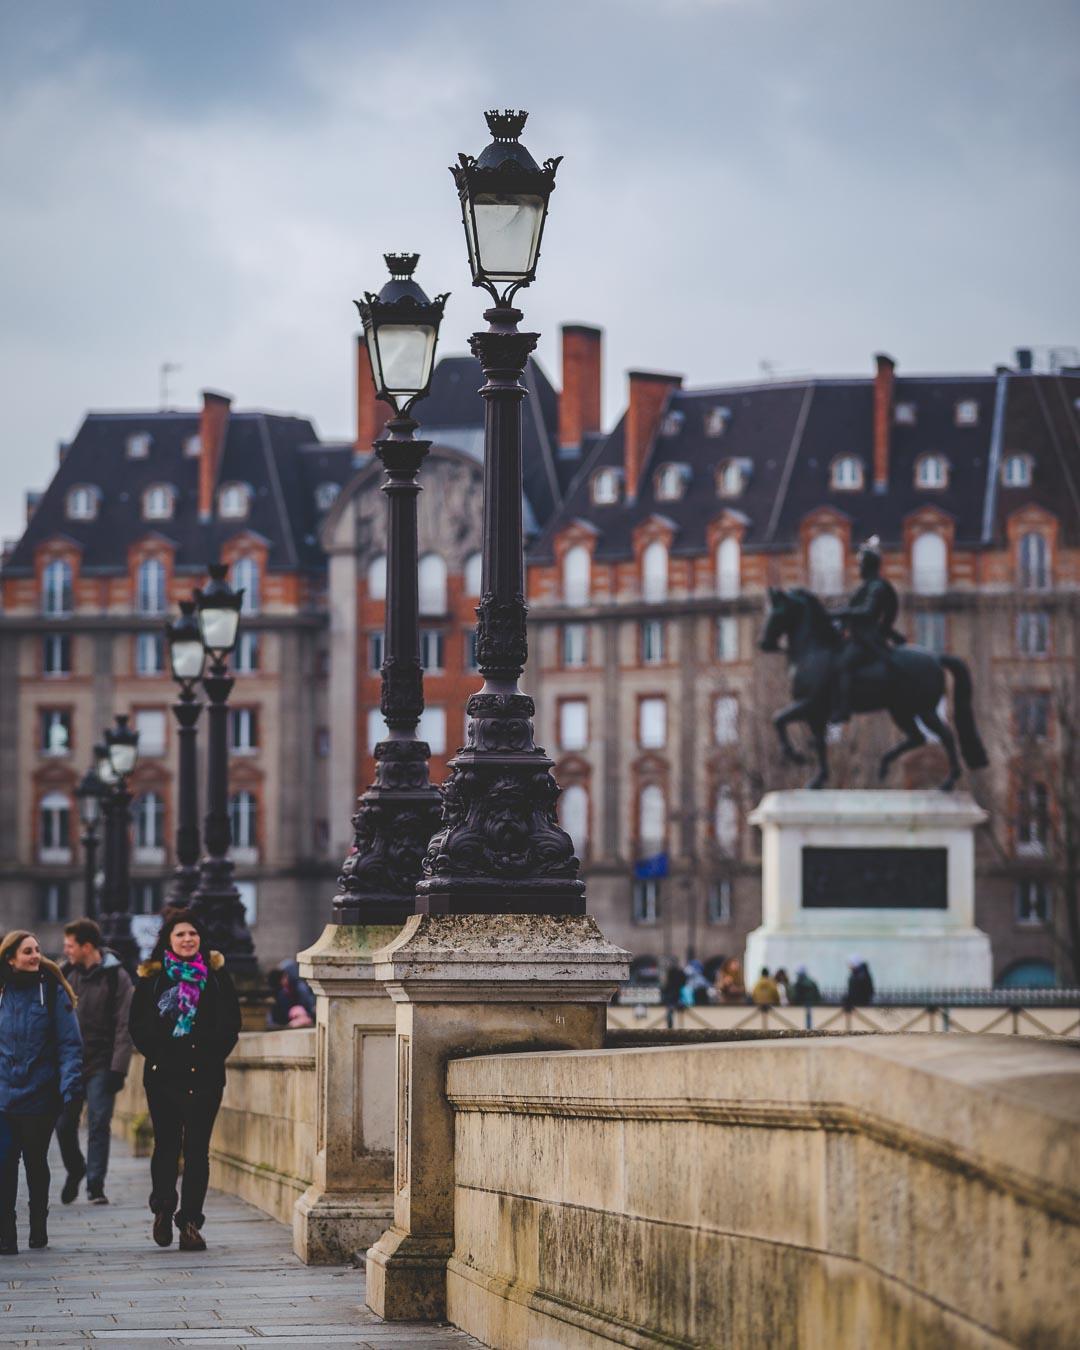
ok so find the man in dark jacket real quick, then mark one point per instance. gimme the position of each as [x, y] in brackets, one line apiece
[103, 988]
[860, 985]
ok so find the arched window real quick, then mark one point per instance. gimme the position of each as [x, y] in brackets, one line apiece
[654, 571]
[671, 482]
[730, 478]
[605, 487]
[1034, 562]
[826, 558]
[54, 827]
[432, 578]
[326, 495]
[929, 564]
[932, 471]
[150, 590]
[1016, 471]
[652, 819]
[81, 503]
[474, 570]
[233, 501]
[726, 819]
[242, 819]
[847, 474]
[158, 502]
[150, 821]
[376, 577]
[576, 567]
[245, 575]
[574, 816]
[56, 591]
[728, 568]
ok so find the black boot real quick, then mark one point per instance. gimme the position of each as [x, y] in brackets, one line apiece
[9, 1236]
[39, 1236]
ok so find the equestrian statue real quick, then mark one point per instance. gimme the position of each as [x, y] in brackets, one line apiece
[854, 660]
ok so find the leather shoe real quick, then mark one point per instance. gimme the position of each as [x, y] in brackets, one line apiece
[72, 1184]
[163, 1233]
[191, 1240]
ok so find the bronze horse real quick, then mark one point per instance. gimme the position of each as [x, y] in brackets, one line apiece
[908, 686]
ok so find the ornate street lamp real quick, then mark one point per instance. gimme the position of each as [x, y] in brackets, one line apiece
[216, 901]
[398, 814]
[89, 794]
[121, 752]
[501, 848]
[187, 656]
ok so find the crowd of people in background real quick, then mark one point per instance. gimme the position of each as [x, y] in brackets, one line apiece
[688, 986]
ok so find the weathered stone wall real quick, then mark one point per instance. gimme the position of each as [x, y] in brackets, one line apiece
[901, 1191]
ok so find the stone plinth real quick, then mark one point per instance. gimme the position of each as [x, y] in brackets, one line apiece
[349, 1202]
[888, 876]
[466, 985]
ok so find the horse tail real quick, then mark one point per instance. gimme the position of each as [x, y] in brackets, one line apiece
[971, 746]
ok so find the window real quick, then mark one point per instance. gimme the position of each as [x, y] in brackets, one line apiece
[243, 820]
[376, 650]
[652, 820]
[646, 900]
[146, 897]
[726, 719]
[716, 421]
[56, 654]
[432, 728]
[473, 658]
[54, 828]
[1032, 712]
[56, 588]
[149, 827]
[605, 487]
[671, 482]
[81, 503]
[432, 579]
[54, 904]
[150, 587]
[904, 414]
[1032, 819]
[158, 503]
[718, 901]
[672, 422]
[193, 446]
[726, 819]
[574, 816]
[1016, 471]
[728, 568]
[1034, 562]
[932, 471]
[431, 649]
[474, 573]
[326, 495]
[730, 478]
[573, 724]
[826, 557]
[967, 413]
[233, 501]
[376, 728]
[149, 653]
[1032, 903]
[652, 642]
[376, 577]
[930, 630]
[727, 638]
[847, 474]
[246, 654]
[55, 731]
[138, 446]
[245, 577]
[929, 564]
[243, 731]
[1033, 633]
[576, 569]
[150, 724]
[652, 723]
[654, 571]
[575, 645]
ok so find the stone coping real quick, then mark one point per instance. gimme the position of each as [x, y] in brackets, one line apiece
[835, 807]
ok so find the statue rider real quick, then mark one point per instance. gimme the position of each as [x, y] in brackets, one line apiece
[868, 620]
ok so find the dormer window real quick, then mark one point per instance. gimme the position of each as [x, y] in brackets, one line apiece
[326, 495]
[932, 471]
[193, 446]
[82, 503]
[1017, 471]
[671, 482]
[846, 474]
[904, 414]
[158, 502]
[605, 487]
[672, 422]
[716, 421]
[138, 446]
[967, 413]
[731, 478]
[233, 501]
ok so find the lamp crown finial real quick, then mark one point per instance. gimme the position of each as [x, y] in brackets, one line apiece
[506, 125]
[401, 265]
[218, 571]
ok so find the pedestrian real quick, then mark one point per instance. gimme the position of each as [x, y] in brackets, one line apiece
[860, 985]
[671, 995]
[40, 1075]
[185, 1021]
[804, 992]
[765, 993]
[732, 988]
[103, 989]
[780, 975]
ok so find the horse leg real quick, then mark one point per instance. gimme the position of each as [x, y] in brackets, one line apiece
[794, 712]
[913, 738]
[817, 728]
[941, 729]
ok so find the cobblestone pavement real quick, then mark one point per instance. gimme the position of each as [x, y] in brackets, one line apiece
[103, 1279]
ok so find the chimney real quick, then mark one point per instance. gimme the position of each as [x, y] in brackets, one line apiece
[371, 414]
[884, 379]
[648, 394]
[1025, 359]
[213, 424]
[579, 403]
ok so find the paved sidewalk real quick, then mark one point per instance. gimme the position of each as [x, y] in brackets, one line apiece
[103, 1279]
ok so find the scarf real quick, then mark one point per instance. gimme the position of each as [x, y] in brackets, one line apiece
[182, 1003]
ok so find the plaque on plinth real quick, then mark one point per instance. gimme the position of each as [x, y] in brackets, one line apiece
[887, 876]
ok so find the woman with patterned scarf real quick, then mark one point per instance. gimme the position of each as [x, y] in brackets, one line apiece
[185, 1020]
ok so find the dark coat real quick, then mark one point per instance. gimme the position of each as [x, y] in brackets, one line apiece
[40, 1046]
[805, 992]
[860, 987]
[195, 1062]
[104, 993]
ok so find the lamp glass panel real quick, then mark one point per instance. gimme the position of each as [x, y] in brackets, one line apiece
[187, 656]
[219, 628]
[405, 355]
[122, 757]
[89, 808]
[507, 234]
[105, 771]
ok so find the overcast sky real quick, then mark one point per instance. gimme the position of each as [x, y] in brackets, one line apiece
[212, 183]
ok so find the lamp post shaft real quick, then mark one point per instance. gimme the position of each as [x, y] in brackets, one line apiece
[89, 848]
[185, 878]
[116, 901]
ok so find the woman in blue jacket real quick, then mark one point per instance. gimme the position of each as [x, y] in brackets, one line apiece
[40, 1072]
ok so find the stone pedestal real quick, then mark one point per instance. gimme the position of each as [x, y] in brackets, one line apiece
[350, 1200]
[887, 876]
[468, 985]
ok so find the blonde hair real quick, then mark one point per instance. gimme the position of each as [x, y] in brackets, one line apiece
[11, 944]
